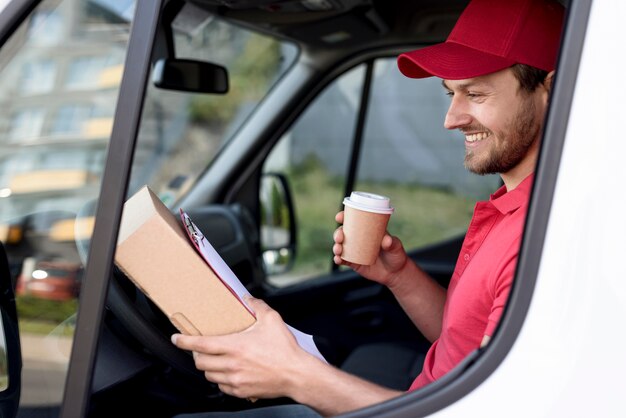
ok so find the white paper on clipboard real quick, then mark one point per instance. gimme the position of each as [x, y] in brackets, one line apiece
[232, 282]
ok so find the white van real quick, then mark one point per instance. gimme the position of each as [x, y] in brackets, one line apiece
[296, 103]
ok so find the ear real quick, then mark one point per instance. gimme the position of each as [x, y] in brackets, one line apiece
[547, 82]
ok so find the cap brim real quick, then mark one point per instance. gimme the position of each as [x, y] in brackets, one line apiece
[450, 61]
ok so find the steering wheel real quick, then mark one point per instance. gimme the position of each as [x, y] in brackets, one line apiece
[232, 232]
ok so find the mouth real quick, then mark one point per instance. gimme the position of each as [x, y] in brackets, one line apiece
[477, 137]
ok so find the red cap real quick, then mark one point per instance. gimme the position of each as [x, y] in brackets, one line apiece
[489, 36]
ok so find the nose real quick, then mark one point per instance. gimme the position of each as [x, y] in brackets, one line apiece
[457, 115]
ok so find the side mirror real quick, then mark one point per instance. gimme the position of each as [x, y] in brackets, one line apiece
[10, 351]
[278, 224]
[190, 75]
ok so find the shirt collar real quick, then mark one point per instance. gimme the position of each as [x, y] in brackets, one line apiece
[507, 202]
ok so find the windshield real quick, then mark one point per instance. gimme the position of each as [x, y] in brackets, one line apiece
[181, 133]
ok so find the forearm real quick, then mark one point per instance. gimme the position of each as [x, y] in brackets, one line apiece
[421, 297]
[331, 391]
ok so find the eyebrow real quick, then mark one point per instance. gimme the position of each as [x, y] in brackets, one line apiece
[464, 86]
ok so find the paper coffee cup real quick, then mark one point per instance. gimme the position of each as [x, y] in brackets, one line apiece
[364, 224]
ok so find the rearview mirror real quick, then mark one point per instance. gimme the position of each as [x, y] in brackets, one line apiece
[190, 75]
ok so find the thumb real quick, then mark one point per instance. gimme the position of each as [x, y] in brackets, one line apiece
[396, 244]
[264, 312]
[387, 242]
[257, 305]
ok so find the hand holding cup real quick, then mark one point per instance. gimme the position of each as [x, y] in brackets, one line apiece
[366, 216]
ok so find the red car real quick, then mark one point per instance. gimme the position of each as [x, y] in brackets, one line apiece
[51, 280]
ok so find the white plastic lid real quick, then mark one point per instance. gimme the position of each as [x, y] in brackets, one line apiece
[368, 202]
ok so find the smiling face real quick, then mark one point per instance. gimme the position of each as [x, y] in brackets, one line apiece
[502, 123]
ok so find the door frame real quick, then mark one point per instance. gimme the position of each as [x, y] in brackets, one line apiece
[109, 208]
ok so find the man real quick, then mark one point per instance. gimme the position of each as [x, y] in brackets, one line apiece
[497, 67]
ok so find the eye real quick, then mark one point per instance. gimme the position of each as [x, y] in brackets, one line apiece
[476, 97]
[449, 93]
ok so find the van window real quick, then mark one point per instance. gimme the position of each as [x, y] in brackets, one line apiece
[405, 154]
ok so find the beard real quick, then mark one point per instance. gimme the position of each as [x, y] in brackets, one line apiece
[509, 146]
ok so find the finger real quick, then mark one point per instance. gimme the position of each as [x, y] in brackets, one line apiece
[233, 391]
[223, 387]
[339, 217]
[337, 249]
[395, 244]
[258, 305]
[216, 376]
[202, 344]
[237, 392]
[218, 367]
[386, 242]
[340, 261]
[264, 314]
[338, 235]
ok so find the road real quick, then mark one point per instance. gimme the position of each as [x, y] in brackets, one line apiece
[45, 360]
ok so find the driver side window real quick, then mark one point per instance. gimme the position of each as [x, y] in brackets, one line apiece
[404, 153]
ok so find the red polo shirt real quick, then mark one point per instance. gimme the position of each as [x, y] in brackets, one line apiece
[481, 281]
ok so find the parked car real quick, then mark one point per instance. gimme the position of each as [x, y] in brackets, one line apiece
[313, 108]
[52, 280]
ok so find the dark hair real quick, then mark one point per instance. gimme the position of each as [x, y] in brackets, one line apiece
[529, 77]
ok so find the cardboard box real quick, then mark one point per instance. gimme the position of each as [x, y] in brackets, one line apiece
[154, 251]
